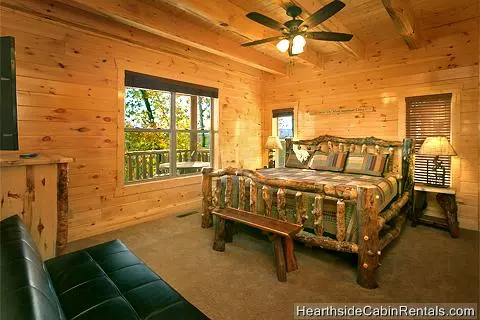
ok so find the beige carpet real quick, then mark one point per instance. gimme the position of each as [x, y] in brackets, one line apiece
[423, 265]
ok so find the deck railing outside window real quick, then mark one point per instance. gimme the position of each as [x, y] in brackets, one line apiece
[152, 164]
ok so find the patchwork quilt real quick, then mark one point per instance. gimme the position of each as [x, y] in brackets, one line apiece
[386, 186]
[386, 189]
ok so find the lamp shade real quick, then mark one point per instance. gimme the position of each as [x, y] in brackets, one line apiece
[437, 146]
[273, 143]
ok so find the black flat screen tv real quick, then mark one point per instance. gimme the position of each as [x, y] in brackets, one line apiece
[8, 96]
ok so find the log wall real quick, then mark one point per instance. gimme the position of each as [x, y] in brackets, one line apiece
[67, 104]
[354, 98]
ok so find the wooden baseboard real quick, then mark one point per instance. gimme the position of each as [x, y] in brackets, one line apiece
[80, 232]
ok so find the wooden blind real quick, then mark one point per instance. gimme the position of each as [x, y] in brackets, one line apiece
[429, 116]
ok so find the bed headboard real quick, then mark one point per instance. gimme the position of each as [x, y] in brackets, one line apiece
[400, 161]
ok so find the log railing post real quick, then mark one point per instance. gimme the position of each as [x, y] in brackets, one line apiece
[228, 192]
[228, 204]
[318, 214]
[253, 197]
[207, 220]
[241, 193]
[144, 166]
[368, 251]
[62, 207]
[268, 200]
[130, 167]
[137, 167]
[301, 216]
[150, 165]
[157, 164]
[217, 194]
[340, 220]
[281, 204]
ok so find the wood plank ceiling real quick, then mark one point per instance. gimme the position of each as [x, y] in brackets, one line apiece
[220, 26]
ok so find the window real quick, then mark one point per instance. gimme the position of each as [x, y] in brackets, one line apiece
[168, 127]
[283, 123]
[429, 116]
[282, 127]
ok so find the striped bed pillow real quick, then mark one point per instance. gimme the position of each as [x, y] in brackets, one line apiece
[369, 164]
[333, 161]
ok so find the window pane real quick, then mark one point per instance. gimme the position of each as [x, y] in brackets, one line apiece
[193, 152]
[146, 108]
[185, 114]
[203, 140]
[183, 111]
[146, 155]
[285, 127]
[204, 113]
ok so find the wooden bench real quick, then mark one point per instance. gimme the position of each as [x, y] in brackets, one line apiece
[282, 233]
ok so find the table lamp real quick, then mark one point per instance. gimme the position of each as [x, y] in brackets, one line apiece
[436, 146]
[273, 143]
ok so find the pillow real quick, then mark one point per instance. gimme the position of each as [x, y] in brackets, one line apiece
[297, 159]
[333, 161]
[369, 164]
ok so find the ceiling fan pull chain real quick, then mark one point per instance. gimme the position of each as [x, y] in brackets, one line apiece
[290, 67]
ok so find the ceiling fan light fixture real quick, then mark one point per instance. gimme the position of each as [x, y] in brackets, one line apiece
[299, 41]
[294, 31]
[283, 45]
[297, 49]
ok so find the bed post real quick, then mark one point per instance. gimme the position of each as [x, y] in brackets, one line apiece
[288, 147]
[408, 163]
[207, 220]
[368, 251]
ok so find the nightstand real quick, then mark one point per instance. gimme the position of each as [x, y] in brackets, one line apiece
[447, 201]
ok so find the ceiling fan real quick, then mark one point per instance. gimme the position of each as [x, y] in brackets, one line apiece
[295, 31]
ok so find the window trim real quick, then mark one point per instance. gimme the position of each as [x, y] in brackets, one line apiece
[455, 90]
[268, 116]
[122, 188]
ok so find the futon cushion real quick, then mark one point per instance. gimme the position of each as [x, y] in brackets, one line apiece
[104, 282]
[369, 164]
[332, 161]
[298, 159]
[108, 281]
[26, 289]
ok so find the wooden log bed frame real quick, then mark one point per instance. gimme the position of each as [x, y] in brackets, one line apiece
[376, 228]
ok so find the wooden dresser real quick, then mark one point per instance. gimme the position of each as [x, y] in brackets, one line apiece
[37, 190]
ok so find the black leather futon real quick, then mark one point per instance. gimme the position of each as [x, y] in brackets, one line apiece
[104, 282]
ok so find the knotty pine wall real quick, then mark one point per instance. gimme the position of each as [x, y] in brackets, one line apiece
[448, 62]
[67, 104]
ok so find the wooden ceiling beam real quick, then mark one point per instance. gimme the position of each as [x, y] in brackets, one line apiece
[354, 46]
[233, 18]
[148, 18]
[402, 15]
[78, 19]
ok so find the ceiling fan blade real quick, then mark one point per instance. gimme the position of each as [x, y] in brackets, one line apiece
[329, 36]
[266, 21]
[261, 41]
[324, 13]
